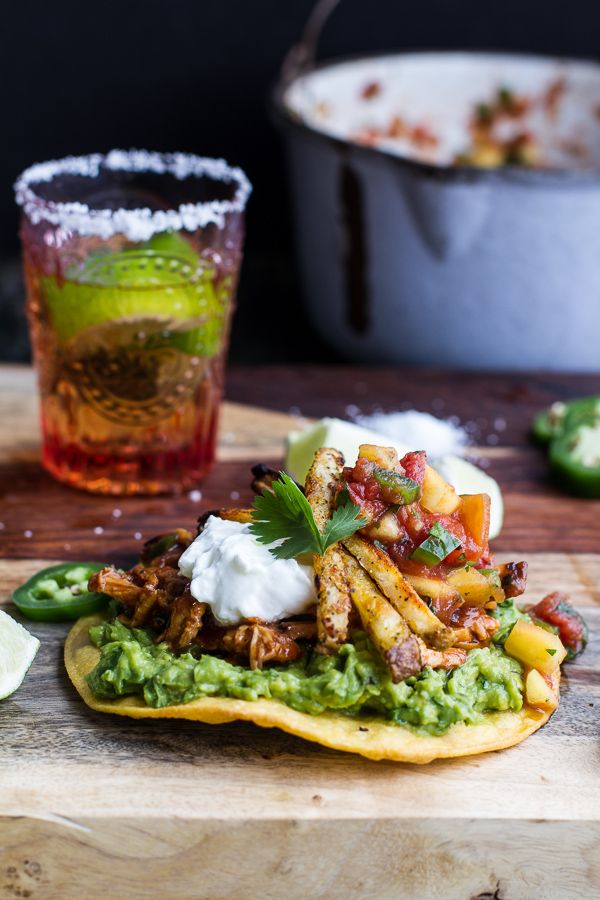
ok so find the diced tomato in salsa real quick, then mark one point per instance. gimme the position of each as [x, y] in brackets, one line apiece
[556, 610]
[414, 465]
[365, 496]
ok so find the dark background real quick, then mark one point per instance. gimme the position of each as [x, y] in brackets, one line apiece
[194, 75]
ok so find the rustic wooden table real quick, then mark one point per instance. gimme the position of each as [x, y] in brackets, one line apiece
[92, 805]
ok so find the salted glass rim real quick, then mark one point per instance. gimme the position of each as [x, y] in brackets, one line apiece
[135, 224]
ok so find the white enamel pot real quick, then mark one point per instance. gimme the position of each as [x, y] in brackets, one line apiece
[425, 262]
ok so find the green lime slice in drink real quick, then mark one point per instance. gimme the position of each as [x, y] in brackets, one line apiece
[171, 243]
[163, 279]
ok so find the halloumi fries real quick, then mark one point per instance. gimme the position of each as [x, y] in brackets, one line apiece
[399, 592]
[334, 602]
[385, 626]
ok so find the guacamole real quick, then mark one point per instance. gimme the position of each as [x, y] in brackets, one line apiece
[354, 681]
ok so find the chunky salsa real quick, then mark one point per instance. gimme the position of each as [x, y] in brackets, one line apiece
[408, 523]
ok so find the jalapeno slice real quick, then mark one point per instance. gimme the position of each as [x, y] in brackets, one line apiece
[562, 417]
[396, 488]
[581, 412]
[157, 546]
[60, 593]
[575, 460]
[548, 423]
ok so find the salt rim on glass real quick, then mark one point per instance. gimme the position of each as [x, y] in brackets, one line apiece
[134, 224]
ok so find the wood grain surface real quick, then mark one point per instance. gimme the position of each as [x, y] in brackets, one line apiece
[97, 806]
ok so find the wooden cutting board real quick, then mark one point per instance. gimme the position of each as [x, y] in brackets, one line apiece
[99, 806]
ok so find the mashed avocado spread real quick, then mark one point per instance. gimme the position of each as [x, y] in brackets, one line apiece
[354, 681]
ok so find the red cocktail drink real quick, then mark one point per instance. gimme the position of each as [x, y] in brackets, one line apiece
[131, 263]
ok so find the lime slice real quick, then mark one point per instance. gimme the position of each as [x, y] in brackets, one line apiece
[17, 651]
[164, 278]
[172, 243]
[470, 479]
[124, 285]
[346, 437]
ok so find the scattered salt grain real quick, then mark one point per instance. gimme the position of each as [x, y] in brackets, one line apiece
[195, 496]
[492, 439]
[66, 546]
[117, 513]
[98, 529]
[420, 430]
[2, 526]
[500, 424]
[137, 536]
[28, 534]
[234, 495]
[352, 411]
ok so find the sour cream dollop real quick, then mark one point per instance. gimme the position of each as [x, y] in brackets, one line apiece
[240, 579]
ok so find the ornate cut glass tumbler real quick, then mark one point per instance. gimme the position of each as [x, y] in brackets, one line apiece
[131, 265]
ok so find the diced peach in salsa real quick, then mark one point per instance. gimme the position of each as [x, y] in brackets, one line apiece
[538, 692]
[438, 496]
[535, 647]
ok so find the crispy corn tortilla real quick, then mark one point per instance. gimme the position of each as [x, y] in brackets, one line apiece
[370, 737]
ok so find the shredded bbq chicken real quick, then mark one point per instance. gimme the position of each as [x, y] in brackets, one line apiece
[441, 659]
[185, 622]
[474, 627]
[260, 644]
[158, 596]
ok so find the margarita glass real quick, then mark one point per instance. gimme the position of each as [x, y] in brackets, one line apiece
[131, 265]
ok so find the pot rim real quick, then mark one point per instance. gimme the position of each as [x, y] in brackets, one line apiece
[563, 177]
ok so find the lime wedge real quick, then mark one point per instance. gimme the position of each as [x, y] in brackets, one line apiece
[346, 437]
[17, 651]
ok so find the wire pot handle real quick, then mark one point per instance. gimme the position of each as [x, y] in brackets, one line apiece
[302, 55]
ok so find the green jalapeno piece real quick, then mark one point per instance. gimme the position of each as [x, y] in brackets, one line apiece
[396, 488]
[436, 547]
[575, 460]
[60, 593]
[157, 546]
[562, 417]
[581, 412]
[548, 423]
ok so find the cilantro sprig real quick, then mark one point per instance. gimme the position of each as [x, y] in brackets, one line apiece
[284, 515]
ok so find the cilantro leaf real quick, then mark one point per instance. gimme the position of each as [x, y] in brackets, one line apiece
[344, 522]
[284, 515]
